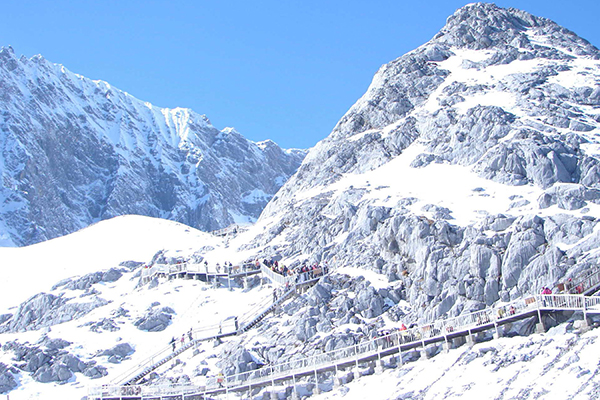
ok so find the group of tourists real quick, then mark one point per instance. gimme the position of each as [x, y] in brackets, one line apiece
[230, 269]
[174, 341]
[312, 271]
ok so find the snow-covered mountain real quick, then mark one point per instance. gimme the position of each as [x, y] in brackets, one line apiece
[466, 176]
[468, 171]
[75, 151]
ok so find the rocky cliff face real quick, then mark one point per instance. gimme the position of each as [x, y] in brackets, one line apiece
[468, 172]
[75, 151]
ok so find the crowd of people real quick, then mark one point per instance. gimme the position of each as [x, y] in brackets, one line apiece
[313, 270]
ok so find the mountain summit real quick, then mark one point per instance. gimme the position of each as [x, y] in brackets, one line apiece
[75, 151]
[468, 171]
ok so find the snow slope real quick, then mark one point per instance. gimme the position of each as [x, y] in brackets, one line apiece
[33, 269]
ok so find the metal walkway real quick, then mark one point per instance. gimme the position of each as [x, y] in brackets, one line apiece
[442, 331]
[197, 271]
[229, 327]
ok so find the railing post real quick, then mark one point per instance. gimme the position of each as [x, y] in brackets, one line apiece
[585, 326]
[356, 371]
[272, 381]
[378, 363]
[317, 390]
[497, 334]
[540, 325]
[446, 345]
[423, 352]
[470, 339]
[294, 388]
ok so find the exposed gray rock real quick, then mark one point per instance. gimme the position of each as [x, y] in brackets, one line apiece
[7, 379]
[4, 318]
[155, 320]
[95, 371]
[53, 373]
[85, 282]
[131, 265]
[77, 151]
[568, 196]
[57, 344]
[537, 139]
[43, 310]
[52, 364]
[118, 352]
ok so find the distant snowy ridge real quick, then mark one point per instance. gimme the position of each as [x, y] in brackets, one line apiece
[75, 151]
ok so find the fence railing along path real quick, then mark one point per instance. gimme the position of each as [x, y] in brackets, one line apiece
[198, 271]
[442, 330]
[228, 327]
[587, 284]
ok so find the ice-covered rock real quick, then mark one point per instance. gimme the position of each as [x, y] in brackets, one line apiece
[493, 94]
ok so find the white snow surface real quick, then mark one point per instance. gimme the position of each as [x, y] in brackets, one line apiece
[556, 365]
[33, 269]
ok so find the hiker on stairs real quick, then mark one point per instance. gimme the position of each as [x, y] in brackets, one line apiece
[172, 342]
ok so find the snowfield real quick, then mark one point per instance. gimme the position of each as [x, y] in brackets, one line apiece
[98, 247]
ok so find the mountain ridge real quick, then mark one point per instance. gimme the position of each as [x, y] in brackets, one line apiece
[75, 151]
[515, 114]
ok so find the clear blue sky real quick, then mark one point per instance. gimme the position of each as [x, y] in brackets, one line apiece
[285, 70]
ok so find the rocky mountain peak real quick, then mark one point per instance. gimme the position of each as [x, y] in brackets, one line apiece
[469, 162]
[480, 26]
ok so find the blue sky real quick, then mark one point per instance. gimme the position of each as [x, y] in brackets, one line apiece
[285, 70]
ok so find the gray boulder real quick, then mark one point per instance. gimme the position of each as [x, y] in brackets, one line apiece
[7, 379]
[117, 353]
[85, 282]
[43, 310]
[95, 371]
[568, 196]
[53, 373]
[155, 320]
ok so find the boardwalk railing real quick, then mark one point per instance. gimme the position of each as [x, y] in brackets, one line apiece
[396, 342]
[224, 328]
[290, 279]
[194, 268]
[586, 285]
[228, 327]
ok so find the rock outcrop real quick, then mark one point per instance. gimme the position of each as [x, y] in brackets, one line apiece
[498, 97]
